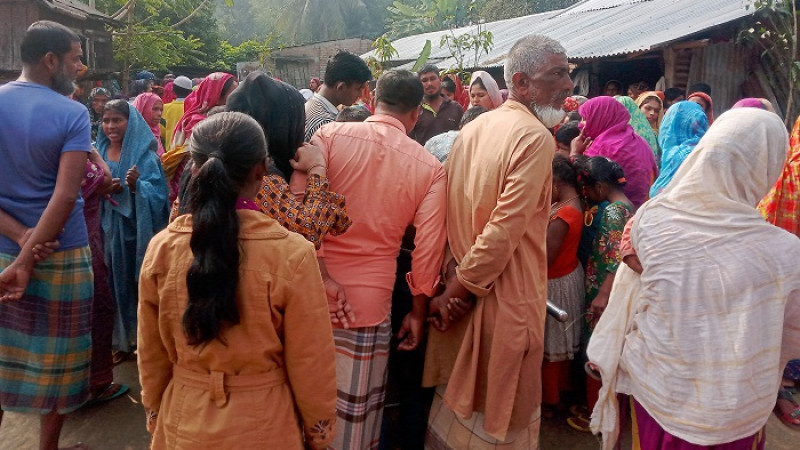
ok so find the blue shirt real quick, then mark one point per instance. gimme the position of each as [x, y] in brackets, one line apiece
[37, 125]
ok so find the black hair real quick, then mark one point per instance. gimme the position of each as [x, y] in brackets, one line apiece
[701, 87]
[280, 110]
[139, 86]
[224, 148]
[471, 114]
[353, 114]
[564, 171]
[567, 132]
[347, 67]
[614, 82]
[226, 88]
[427, 68]
[181, 92]
[598, 169]
[119, 106]
[399, 90]
[672, 93]
[574, 116]
[449, 85]
[46, 36]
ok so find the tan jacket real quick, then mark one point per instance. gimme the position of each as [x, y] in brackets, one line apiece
[277, 362]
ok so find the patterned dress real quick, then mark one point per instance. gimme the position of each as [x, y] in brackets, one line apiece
[605, 257]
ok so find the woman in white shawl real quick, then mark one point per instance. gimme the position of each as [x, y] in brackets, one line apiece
[700, 338]
[483, 91]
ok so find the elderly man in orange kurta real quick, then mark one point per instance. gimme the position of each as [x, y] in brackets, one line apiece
[498, 202]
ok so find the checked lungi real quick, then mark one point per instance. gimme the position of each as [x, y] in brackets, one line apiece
[45, 337]
[362, 355]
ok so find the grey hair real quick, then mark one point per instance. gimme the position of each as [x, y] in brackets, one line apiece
[529, 54]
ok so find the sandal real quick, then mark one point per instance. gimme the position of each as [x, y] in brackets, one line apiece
[791, 418]
[112, 391]
[118, 356]
[580, 423]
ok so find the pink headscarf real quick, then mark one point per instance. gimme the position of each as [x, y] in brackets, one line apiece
[606, 123]
[169, 93]
[749, 103]
[490, 85]
[201, 100]
[144, 104]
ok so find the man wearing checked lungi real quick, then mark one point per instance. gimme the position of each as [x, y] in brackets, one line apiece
[45, 299]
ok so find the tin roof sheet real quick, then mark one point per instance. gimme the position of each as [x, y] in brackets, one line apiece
[590, 29]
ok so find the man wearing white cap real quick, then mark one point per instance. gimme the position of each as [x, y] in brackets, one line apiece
[173, 111]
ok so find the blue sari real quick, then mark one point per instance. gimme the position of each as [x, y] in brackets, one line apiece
[133, 221]
[681, 129]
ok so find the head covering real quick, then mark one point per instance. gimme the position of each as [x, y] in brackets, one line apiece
[99, 91]
[144, 104]
[195, 107]
[749, 103]
[307, 94]
[640, 124]
[606, 123]
[681, 130]
[145, 75]
[280, 110]
[714, 296]
[709, 102]
[461, 94]
[781, 206]
[490, 85]
[139, 86]
[658, 95]
[570, 104]
[183, 82]
[169, 92]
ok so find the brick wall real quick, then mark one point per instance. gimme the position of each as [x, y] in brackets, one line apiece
[297, 65]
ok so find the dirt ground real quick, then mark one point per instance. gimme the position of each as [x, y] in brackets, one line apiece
[119, 425]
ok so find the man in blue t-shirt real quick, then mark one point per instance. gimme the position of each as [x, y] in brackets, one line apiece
[45, 306]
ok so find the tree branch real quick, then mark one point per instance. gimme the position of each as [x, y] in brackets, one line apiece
[191, 14]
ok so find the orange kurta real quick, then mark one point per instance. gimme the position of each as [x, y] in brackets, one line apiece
[279, 359]
[498, 192]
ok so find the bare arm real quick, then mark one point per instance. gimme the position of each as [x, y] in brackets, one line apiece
[556, 233]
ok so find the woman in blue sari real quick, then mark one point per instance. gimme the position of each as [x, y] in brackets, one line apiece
[681, 129]
[138, 210]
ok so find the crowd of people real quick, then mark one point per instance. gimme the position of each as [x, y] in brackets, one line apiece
[284, 263]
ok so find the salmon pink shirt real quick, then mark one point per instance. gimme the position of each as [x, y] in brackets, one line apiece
[389, 182]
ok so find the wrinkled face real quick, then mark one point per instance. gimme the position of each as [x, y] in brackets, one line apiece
[544, 91]
[651, 110]
[431, 84]
[479, 97]
[158, 110]
[67, 71]
[98, 103]
[313, 85]
[114, 126]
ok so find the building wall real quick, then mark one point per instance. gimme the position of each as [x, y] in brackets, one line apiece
[297, 65]
[16, 15]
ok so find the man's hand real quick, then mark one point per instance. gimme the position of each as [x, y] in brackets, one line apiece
[340, 310]
[14, 280]
[411, 331]
[40, 251]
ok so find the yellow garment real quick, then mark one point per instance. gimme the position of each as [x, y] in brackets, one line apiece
[279, 359]
[173, 111]
[498, 204]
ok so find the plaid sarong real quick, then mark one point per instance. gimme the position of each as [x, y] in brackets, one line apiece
[45, 337]
[362, 355]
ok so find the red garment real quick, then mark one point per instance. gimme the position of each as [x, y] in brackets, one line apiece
[169, 93]
[197, 104]
[461, 95]
[567, 259]
[144, 104]
[781, 206]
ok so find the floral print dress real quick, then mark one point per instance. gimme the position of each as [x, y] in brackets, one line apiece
[606, 256]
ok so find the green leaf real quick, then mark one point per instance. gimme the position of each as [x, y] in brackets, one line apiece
[423, 56]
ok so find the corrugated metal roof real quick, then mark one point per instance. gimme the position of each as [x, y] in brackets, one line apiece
[76, 9]
[591, 29]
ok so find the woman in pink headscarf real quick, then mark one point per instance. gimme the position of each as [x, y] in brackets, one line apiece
[150, 106]
[483, 91]
[606, 132]
[169, 92]
[211, 92]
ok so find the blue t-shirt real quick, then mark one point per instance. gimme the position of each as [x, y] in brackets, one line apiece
[37, 125]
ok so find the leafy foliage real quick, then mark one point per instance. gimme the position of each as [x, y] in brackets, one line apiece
[250, 50]
[407, 17]
[479, 42]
